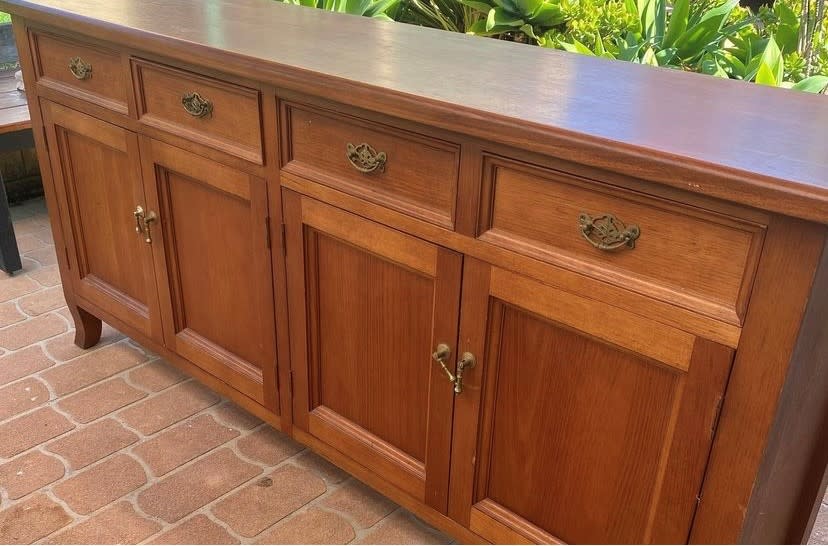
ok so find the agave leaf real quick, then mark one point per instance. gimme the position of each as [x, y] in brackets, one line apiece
[379, 8]
[678, 22]
[814, 84]
[577, 47]
[499, 17]
[693, 41]
[478, 28]
[477, 5]
[653, 15]
[649, 57]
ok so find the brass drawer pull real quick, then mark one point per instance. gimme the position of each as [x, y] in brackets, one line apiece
[80, 69]
[196, 105]
[606, 232]
[365, 158]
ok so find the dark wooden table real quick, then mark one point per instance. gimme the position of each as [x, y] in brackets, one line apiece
[15, 134]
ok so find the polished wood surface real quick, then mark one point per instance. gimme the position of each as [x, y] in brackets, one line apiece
[684, 255]
[595, 111]
[314, 294]
[377, 304]
[99, 187]
[213, 227]
[419, 176]
[581, 441]
[108, 82]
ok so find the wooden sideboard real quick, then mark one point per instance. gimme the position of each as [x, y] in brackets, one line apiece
[531, 296]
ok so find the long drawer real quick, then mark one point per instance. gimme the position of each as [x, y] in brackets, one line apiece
[682, 254]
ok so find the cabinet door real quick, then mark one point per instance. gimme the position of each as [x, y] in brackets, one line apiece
[214, 272]
[97, 173]
[582, 422]
[368, 305]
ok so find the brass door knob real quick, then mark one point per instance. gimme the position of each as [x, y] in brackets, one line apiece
[149, 219]
[440, 356]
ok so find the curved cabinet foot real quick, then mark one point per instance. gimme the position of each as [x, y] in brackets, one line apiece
[87, 327]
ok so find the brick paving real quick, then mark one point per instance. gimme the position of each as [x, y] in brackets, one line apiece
[114, 445]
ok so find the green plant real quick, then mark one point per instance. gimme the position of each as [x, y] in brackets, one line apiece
[379, 9]
[523, 20]
[448, 15]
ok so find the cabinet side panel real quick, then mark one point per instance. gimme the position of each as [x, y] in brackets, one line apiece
[790, 485]
[783, 283]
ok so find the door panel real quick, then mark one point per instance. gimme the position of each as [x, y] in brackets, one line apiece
[376, 302]
[214, 272]
[581, 439]
[98, 179]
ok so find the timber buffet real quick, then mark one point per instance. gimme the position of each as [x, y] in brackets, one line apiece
[531, 296]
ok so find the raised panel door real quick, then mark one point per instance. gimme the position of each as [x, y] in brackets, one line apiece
[98, 181]
[582, 423]
[368, 306]
[214, 272]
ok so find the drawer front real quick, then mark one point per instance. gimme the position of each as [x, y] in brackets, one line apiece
[700, 260]
[88, 72]
[402, 170]
[212, 112]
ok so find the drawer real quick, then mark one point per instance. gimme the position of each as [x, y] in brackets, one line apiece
[218, 114]
[685, 255]
[402, 170]
[86, 71]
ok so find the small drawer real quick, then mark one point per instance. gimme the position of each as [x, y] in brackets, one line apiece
[212, 112]
[405, 171]
[694, 258]
[88, 72]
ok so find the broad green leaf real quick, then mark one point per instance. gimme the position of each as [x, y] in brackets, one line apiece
[771, 65]
[525, 8]
[678, 22]
[710, 65]
[599, 45]
[697, 37]
[499, 17]
[529, 31]
[814, 84]
[787, 30]
[665, 56]
[549, 14]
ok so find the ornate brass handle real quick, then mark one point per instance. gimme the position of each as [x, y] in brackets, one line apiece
[148, 220]
[606, 232]
[440, 356]
[196, 105]
[139, 217]
[365, 158]
[467, 361]
[80, 69]
[143, 222]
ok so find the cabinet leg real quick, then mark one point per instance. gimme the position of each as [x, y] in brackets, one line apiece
[87, 327]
